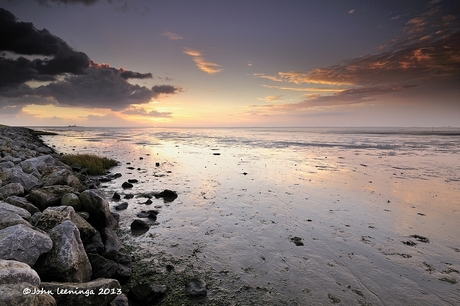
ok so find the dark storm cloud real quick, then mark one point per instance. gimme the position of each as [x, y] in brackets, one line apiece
[73, 79]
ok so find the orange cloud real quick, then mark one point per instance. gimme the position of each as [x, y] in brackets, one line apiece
[171, 35]
[202, 64]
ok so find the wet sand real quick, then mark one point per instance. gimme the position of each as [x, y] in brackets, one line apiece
[375, 226]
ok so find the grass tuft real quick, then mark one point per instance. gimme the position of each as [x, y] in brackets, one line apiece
[96, 165]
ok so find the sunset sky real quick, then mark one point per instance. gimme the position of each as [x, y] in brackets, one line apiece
[230, 63]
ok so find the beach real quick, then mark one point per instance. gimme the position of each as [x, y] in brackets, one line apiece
[290, 216]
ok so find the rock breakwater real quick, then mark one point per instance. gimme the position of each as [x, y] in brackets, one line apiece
[57, 240]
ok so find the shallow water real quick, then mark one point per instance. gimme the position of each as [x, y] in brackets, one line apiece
[354, 197]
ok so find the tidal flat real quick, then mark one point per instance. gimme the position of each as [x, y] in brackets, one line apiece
[288, 216]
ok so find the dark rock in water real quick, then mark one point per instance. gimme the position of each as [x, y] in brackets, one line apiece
[122, 206]
[148, 202]
[196, 287]
[116, 196]
[409, 243]
[139, 169]
[126, 185]
[167, 195]
[117, 175]
[215, 153]
[151, 214]
[245, 173]
[128, 196]
[141, 158]
[297, 241]
[111, 241]
[130, 168]
[139, 225]
[157, 164]
[104, 179]
[421, 238]
[133, 181]
[147, 294]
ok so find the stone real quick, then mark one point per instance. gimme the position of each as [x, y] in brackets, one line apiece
[67, 261]
[111, 241]
[139, 225]
[102, 267]
[13, 295]
[196, 287]
[71, 199]
[14, 209]
[122, 206]
[116, 196]
[12, 189]
[125, 264]
[39, 164]
[53, 216]
[100, 292]
[28, 181]
[120, 300]
[22, 203]
[95, 246]
[22, 243]
[126, 185]
[49, 195]
[8, 219]
[147, 294]
[95, 203]
[167, 195]
[15, 272]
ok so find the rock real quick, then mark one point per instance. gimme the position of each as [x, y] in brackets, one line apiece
[62, 176]
[33, 220]
[102, 267]
[100, 292]
[148, 202]
[14, 209]
[139, 225]
[167, 195]
[22, 203]
[13, 295]
[49, 196]
[126, 185]
[128, 196]
[111, 242]
[151, 214]
[39, 164]
[71, 199]
[15, 272]
[22, 243]
[12, 189]
[8, 219]
[120, 300]
[147, 294]
[95, 203]
[125, 264]
[95, 246]
[67, 261]
[122, 206]
[196, 287]
[133, 181]
[27, 181]
[116, 196]
[297, 241]
[53, 216]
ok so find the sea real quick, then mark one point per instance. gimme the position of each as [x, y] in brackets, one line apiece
[291, 216]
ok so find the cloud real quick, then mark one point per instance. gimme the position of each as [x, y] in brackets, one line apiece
[314, 89]
[171, 35]
[65, 77]
[271, 98]
[351, 11]
[203, 65]
[426, 55]
[143, 112]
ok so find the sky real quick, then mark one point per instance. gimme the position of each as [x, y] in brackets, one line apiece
[216, 63]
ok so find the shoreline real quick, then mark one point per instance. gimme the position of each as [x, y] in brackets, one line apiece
[56, 229]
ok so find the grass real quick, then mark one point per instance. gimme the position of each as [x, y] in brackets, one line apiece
[96, 165]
